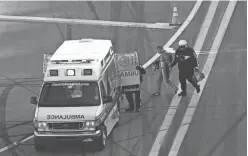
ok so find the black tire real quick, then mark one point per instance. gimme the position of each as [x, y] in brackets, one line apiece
[39, 145]
[101, 142]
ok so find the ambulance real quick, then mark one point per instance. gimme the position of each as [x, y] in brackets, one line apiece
[80, 96]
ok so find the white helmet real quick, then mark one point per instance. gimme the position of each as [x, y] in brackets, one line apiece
[182, 43]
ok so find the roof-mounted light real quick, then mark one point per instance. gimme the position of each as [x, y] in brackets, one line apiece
[86, 72]
[86, 40]
[87, 61]
[70, 72]
[53, 72]
[79, 61]
[58, 61]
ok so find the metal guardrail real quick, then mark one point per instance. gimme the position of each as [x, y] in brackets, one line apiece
[87, 22]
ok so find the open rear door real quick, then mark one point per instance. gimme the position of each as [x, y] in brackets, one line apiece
[129, 77]
[46, 59]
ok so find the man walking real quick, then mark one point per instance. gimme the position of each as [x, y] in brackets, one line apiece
[186, 58]
[164, 72]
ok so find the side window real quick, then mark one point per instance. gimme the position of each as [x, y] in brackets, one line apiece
[107, 58]
[102, 63]
[111, 76]
[103, 91]
[111, 50]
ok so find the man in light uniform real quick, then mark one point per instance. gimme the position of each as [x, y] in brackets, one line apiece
[165, 71]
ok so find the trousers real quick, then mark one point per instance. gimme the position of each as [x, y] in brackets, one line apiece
[129, 97]
[164, 75]
[186, 75]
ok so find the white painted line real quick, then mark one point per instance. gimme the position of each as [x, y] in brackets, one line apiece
[15, 144]
[87, 22]
[178, 33]
[28, 138]
[205, 27]
[176, 99]
[207, 69]
[4, 149]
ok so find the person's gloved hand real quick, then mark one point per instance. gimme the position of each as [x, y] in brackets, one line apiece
[155, 65]
[139, 68]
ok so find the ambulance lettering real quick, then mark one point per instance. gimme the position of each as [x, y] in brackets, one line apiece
[129, 73]
[52, 117]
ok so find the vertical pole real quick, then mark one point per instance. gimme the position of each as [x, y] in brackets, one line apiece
[115, 15]
[68, 32]
[68, 29]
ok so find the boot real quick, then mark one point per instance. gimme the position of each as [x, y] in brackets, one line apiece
[156, 94]
[175, 91]
[138, 108]
[198, 89]
[183, 93]
[129, 109]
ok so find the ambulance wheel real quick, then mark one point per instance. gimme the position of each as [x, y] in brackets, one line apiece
[101, 143]
[39, 145]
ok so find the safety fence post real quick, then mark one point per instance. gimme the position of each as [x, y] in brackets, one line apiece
[68, 32]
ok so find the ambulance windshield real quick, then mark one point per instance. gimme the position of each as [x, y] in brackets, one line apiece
[69, 94]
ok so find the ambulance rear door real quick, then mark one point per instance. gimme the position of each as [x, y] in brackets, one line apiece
[126, 65]
[111, 78]
[46, 59]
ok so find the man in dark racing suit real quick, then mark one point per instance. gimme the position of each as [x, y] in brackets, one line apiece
[186, 58]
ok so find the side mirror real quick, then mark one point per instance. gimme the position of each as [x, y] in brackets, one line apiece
[107, 99]
[33, 100]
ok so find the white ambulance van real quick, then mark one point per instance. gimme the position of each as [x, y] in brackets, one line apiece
[79, 98]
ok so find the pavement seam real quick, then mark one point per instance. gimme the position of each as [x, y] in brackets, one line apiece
[4, 135]
[226, 134]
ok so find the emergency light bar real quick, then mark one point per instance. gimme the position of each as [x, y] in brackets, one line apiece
[71, 72]
[86, 40]
[87, 61]
[72, 61]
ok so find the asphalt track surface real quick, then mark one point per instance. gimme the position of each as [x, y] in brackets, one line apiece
[23, 45]
[22, 48]
[219, 127]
